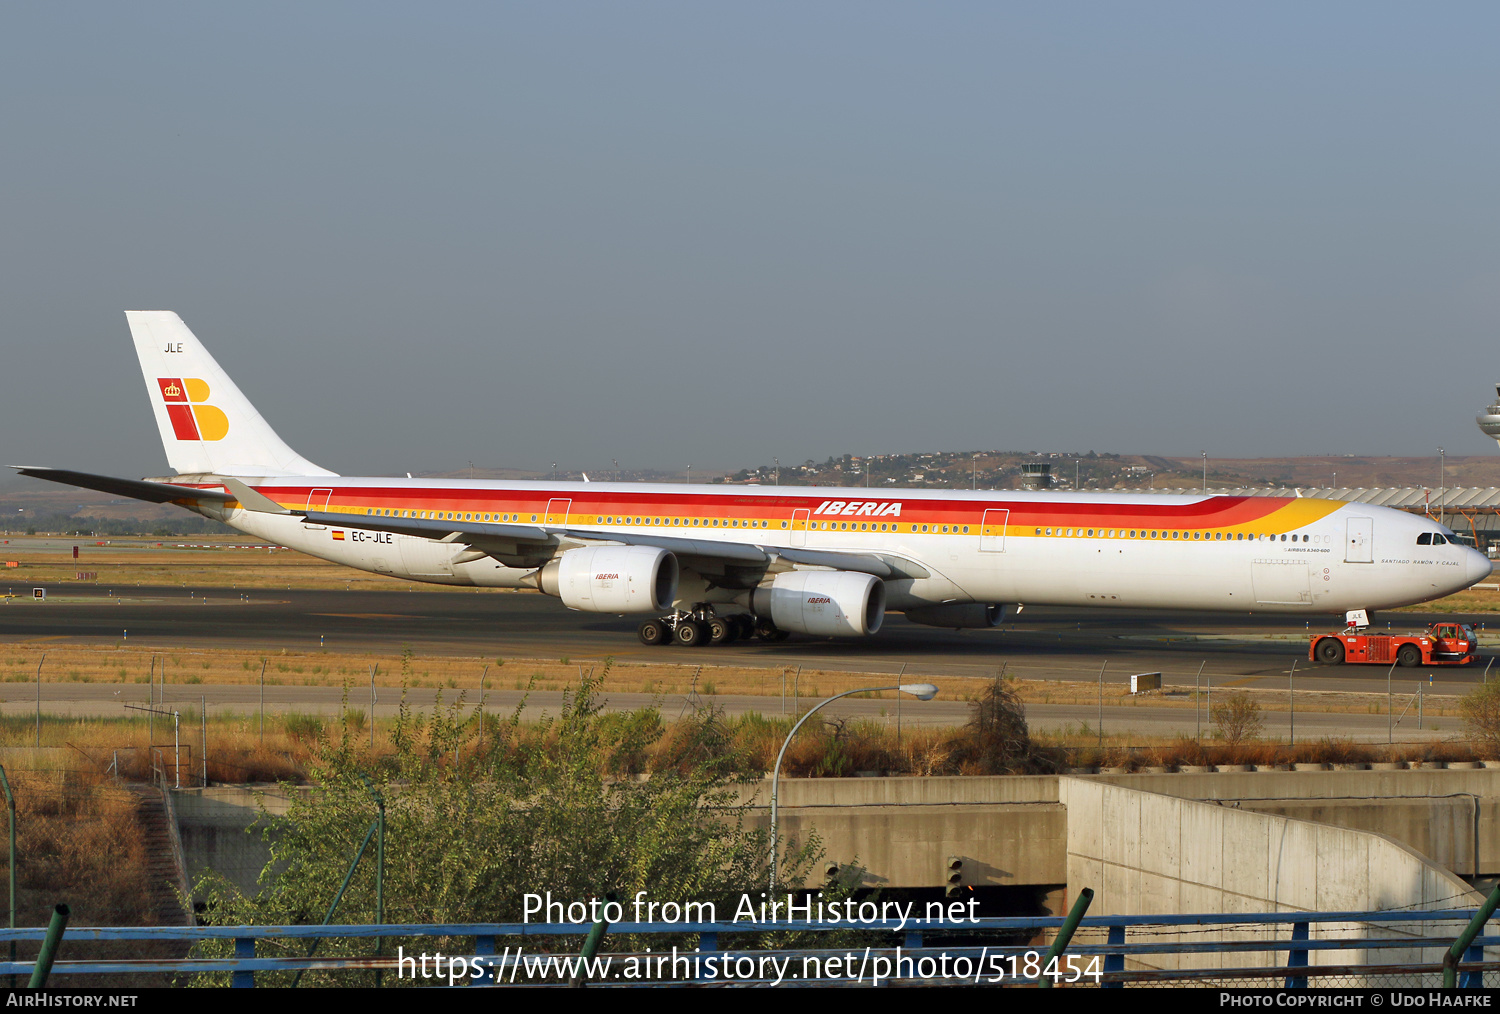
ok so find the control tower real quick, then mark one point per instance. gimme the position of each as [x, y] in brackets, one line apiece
[1489, 419]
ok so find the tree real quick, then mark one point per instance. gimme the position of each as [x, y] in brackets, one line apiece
[538, 813]
[1237, 719]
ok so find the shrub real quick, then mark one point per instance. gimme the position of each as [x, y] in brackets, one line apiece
[1237, 719]
[996, 738]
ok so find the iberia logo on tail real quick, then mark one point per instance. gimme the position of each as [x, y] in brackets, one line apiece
[191, 419]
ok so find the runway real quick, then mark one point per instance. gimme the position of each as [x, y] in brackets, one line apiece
[1233, 650]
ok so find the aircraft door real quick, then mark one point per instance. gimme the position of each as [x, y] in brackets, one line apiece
[992, 531]
[1359, 546]
[557, 512]
[800, 518]
[317, 500]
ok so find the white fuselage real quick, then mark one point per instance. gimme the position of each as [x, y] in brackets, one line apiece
[1122, 550]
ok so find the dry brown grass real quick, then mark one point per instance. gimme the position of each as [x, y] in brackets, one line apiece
[133, 664]
[178, 562]
[79, 842]
[178, 667]
[1471, 600]
[1171, 753]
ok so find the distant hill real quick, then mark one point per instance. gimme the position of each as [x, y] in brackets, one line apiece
[1002, 470]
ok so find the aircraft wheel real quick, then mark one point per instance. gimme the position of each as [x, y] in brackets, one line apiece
[745, 624]
[722, 630]
[765, 629]
[691, 633]
[654, 632]
[1409, 657]
[1331, 651]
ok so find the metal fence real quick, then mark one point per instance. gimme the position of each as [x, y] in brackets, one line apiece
[1293, 949]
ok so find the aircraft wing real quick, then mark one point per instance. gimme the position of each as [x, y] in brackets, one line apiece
[508, 541]
[136, 489]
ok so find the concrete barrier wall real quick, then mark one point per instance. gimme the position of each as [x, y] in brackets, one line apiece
[1145, 853]
[215, 825]
[908, 846]
[1010, 830]
[1451, 817]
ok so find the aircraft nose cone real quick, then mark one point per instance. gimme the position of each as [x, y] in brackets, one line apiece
[1479, 566]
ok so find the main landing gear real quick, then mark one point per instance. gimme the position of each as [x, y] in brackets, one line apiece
[702, 626]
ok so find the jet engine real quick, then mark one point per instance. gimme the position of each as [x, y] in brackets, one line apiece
[612, 579]
[956, 615]
[830, 603]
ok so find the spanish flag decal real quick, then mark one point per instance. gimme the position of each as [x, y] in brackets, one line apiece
[338, 536]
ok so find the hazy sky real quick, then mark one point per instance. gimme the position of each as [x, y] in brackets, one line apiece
[420, 234]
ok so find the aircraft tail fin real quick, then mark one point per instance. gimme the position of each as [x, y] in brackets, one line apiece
[206, 424]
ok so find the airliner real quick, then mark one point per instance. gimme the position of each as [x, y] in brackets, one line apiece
[707, 564]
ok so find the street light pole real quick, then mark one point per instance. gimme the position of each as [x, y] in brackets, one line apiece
[1205, 470]
[921, 691]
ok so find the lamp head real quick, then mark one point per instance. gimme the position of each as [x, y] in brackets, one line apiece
[921, 691]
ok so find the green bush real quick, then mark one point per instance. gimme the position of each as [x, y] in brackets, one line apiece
[465, 842]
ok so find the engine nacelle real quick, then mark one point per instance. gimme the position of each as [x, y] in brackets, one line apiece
[956, 615]
[612, 579]
[828, 603]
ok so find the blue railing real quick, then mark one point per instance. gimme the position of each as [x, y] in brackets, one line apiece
[1156, 944]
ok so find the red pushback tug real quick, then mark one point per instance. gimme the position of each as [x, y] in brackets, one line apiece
[1444, 643]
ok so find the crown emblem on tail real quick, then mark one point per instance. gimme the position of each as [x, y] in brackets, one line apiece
[191, 418]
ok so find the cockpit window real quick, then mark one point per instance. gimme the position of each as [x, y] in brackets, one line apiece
[1425, 539]
[1438, 539]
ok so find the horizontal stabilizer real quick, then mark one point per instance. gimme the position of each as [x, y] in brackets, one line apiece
[135, 489]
